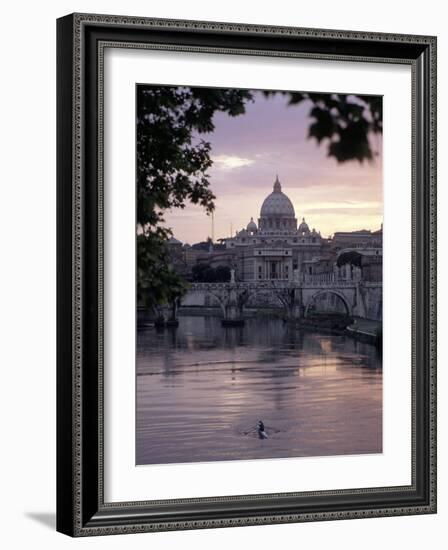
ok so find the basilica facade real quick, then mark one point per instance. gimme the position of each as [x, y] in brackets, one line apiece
[276, 246]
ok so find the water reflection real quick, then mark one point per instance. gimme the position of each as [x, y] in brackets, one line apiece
[201, 389]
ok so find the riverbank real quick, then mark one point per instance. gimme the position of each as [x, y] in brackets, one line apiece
[366, 330]
[199, 311]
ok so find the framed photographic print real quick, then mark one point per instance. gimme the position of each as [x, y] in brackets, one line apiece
[246, 274]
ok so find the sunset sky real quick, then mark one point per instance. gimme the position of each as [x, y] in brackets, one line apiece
[271, 138]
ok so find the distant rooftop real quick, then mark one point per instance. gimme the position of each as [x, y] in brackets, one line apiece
[173, 240]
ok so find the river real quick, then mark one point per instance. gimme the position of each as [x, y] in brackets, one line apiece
[202, 388]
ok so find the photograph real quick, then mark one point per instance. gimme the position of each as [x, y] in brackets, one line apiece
[259, 274]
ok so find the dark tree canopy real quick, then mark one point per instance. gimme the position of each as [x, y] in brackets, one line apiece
[343, 122]
[351, 257]
[203, 273]
[172, 168]
[171, 164]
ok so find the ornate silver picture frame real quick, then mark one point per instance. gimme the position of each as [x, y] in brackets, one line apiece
[82, 509]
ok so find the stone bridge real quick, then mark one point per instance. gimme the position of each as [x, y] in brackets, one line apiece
[359, 299]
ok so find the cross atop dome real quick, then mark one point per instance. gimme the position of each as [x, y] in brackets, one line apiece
[277, 185]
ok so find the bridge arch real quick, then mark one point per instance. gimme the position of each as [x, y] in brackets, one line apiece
[217, 295]
[216, 300]
[337, 293]
[253, 293]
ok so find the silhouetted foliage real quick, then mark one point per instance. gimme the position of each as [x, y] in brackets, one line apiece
[171, 171]
[223, 273]
[343, 122]
[203, 273]
[352, 257]
[157, 282]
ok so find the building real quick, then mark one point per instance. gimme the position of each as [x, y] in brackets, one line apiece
[364, 250]
[358, 239]
[277, 246]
